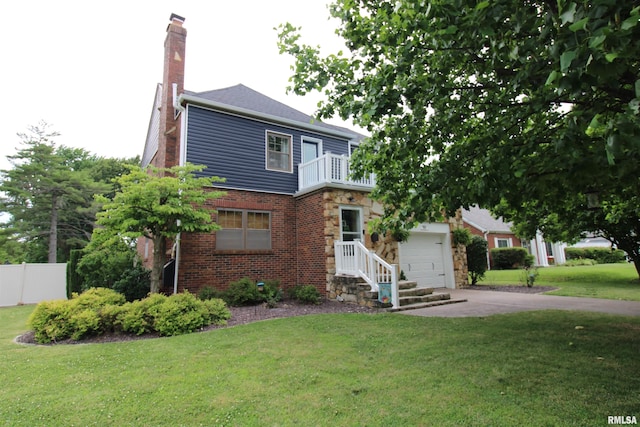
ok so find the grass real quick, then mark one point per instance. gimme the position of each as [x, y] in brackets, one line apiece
[534, 368]
[609, 281]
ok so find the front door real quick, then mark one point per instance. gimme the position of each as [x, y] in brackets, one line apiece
[351, 226]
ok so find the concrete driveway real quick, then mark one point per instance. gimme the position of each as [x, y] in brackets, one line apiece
[486, 303]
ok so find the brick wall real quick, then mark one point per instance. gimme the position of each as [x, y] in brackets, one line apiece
[312, 265]
[202, 265]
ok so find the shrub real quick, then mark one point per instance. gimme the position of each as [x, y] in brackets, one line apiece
[243, 292]
[477, 258]
[100, 310]
[271, 292]
[461, 236]
[137, 317]
[598, 254]
[50, 321]
[510, 258]
[74, 281]
[218, 311]
[180, 314]
[208, 293]
[135, 283]
[306, 294]
[76, 318]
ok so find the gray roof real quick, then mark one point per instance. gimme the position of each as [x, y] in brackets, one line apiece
[483, 220]
[246, 98]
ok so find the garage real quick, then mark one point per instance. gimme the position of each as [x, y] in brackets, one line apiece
[426, 256]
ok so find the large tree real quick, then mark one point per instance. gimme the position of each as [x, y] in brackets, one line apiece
[47, 196]
[159, 204]
[49, 201]
[529, 108]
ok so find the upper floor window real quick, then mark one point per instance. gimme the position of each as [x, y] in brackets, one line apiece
[279, 152]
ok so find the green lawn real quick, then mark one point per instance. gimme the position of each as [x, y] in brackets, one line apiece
[610, 281]
[528, 369]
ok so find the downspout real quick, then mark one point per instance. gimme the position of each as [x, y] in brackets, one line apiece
[180, 110]
[486, 238]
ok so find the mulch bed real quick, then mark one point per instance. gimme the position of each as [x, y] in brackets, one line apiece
[239, 316]
[243, 315]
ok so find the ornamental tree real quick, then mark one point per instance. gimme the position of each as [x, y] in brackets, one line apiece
[159, 203]
[528, 108]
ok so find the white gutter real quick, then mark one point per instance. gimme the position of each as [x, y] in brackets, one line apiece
[185, 98]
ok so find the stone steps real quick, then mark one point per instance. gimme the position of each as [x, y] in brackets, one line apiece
[354, 289]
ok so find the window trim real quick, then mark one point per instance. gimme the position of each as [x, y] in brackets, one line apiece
[360, 210]
[506, 239]
[266, 151]
[245, 229]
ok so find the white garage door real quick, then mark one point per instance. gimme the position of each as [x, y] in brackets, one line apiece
[422, 259]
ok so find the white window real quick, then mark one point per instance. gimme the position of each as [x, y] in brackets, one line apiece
[503, 242]
[279, 152]
[242, 229]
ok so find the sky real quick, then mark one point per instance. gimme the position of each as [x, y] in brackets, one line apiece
[90, 69]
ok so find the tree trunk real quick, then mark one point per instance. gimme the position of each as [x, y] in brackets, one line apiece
[159, 249]
[53, 231]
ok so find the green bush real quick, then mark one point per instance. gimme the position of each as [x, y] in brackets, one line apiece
[461, 236]
[137, 317]
[74, 281]
[135, 283]
[50, 321]
[598, 254]
[103, 310]
[243, 292]
[306, 294]
[218, 311]
[510, 258]
[209, 292]
[477, 258]
[180, 314]
[76, 318]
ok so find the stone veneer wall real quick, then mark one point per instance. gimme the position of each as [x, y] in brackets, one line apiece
[460, 270]
[386, 247]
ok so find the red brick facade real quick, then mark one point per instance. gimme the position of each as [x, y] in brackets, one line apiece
[312, 259]
[202, 265]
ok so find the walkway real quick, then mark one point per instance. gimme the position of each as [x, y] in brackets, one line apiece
[486, 303]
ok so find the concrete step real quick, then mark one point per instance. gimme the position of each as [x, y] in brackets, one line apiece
[415, 292]
[416, 299]
[426, 305]
[407, 284]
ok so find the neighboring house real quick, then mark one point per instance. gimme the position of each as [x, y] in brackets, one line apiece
[289, 199]
[498, 234]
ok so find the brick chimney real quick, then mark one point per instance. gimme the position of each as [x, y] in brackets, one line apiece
[174, 53]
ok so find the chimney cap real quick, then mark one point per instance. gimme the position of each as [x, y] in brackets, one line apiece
[175, 17]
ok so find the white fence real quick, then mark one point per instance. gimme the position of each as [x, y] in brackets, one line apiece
[32, 283]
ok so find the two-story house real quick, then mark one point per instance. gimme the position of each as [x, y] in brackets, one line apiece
[290, 202]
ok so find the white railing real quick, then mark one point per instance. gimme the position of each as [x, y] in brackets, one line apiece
[354, 259]
[330, 168]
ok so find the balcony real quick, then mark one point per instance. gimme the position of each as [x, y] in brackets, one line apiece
[330, 170]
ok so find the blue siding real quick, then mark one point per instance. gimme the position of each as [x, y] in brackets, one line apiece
[233, 147]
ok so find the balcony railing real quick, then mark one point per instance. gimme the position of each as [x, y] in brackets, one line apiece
[330, 169]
